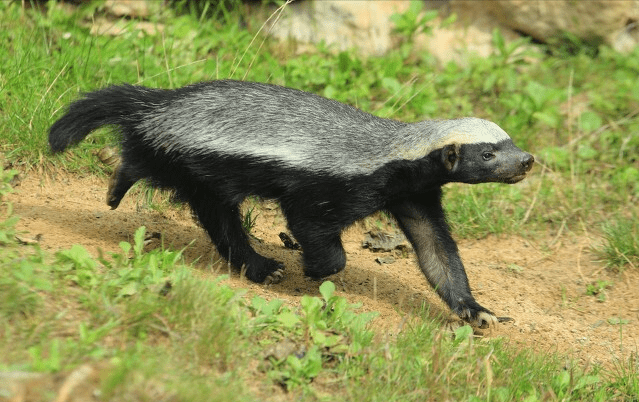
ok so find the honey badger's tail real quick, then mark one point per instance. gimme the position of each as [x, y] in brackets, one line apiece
[119, 105]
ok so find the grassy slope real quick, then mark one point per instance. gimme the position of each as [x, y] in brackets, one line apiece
[211, 350]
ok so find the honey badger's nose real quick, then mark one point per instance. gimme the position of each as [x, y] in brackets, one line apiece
[527, 161]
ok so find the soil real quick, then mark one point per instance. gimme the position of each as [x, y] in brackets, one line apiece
[539, 282]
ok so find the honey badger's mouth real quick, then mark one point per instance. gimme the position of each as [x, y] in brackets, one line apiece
[515, 179]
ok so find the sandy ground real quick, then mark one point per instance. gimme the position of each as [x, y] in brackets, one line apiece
[540, 283]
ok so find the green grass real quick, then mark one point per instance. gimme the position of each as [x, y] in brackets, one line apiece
[146, 318]
[621, 247]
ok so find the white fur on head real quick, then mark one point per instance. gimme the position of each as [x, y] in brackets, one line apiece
[428, 136]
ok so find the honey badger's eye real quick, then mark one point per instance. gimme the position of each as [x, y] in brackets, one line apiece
[488, 156]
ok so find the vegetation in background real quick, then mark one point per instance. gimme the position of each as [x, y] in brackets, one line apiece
[150, 320]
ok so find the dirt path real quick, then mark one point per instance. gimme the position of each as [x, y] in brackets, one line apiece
[540, 283]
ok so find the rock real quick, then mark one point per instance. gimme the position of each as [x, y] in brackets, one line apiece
[389, 259]
[15, 385]
[364, 25]
[376, 240]
[458, 44]
[282, 350]
[611, 21]
[127, 8]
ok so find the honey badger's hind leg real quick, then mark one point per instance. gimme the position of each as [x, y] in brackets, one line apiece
[224, 227]
[321, 243]
[323, 252]
[422, 220]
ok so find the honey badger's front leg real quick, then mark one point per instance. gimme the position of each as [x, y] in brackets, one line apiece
[422, 220]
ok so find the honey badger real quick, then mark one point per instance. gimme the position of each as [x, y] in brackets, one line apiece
[328, 164]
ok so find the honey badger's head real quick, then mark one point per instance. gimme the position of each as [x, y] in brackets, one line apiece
[478, 151]
[486, 162]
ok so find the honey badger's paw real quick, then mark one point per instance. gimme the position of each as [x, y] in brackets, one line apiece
[275, 277]
[477, 316]
[268, 273]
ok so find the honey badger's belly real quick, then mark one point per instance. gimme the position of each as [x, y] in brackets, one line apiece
[327, 163]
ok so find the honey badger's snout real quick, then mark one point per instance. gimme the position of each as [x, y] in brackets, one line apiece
[527, 161]
[515, 170]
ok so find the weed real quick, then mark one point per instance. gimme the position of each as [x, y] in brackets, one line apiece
[328, 330]
[248, 222]
[625, 384]
[598, 289]
[49, 360]
[22, 279]
[515, 268]
[621, 245]
[7, 225]
[413, 20]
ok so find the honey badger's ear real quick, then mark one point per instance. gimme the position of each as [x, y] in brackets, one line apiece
[450, 156]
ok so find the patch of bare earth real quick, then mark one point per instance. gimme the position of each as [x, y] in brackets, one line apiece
[540, 283]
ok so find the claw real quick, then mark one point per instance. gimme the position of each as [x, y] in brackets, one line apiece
[275, 277]
[485, 320]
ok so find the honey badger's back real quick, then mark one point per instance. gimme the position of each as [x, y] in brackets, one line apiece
[297, 129]
[237, 119]
[272, 123]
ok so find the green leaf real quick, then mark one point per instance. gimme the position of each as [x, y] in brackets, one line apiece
[462, 333]
[538, 93]
[448, 21]
[556, 157]
[498, 41]
[126, 247]
[586, 380]
[327, 289]
[294, 362]
[391, 84]
[288, 319]
[320, 338]
[129, 289]
[561, 381]
[589, 121]
[139, 241]
[311, 306]
[331, 92]
[548, 118]
[78, 256]
[586, 152]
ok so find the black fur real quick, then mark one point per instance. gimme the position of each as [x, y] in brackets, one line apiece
[317, 196]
